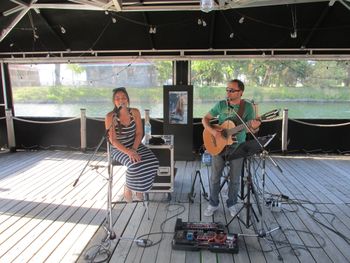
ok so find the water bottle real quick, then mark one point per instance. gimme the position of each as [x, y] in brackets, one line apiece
[148, 127]
[206, 158]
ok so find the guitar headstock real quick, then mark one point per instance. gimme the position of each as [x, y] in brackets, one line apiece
[270, 114]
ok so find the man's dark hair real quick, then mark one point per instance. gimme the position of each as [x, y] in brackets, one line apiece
[239, 83]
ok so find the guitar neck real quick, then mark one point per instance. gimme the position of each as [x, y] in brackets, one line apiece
[237, 129]
[268, 115]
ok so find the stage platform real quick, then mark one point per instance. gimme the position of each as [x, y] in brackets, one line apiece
[43, 218]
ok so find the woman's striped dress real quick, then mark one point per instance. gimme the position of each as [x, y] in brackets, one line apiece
[139, 175]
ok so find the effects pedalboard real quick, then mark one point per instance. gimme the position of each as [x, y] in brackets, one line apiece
[197, 235]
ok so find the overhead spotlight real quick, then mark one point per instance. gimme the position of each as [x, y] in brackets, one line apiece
[48, 55]
[331, 2]
[204, 23]
[11, 45]
[152, 30]
[199, 21]
[232, 35]
[35, 35]
[294, 34]
[63, 30]
[114, 20]
[207, 5]
[106, 12]
[241, 20]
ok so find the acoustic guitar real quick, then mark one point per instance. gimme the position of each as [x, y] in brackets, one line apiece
[215, 145]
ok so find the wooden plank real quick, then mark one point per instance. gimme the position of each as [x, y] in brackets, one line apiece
[36, 233]
[305, 223]
[194, 215]
[136, 253]
[32, 230]
[94, 236]
[121, 251]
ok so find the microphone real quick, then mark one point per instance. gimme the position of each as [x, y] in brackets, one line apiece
[117, 109]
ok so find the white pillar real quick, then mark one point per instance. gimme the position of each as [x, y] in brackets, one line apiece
[285, 130]
[83, 130]
[3, 85]
[10, 130]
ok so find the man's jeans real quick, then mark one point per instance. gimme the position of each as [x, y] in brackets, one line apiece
[218, 164]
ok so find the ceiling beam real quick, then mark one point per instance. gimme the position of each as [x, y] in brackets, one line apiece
[18, 18]
[13, 10]
[117, 5]
[14, 22]
[67, 7]
[346, 4]
[183, 54]
[18, 2]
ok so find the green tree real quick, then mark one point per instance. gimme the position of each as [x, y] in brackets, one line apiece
[165, 70]
[207, 72]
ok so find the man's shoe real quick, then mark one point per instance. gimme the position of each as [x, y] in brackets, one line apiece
[210, 210]
[233, 210]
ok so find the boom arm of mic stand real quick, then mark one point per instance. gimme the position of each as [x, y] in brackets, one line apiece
[256, 139]
[105, 136]
[247, 127]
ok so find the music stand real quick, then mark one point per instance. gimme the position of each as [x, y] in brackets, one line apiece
[250, 147]
[247, 150]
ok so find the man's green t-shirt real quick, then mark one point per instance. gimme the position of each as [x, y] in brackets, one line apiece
[224, 112]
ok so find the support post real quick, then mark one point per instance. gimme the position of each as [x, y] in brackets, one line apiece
[284, 131]
[10, 131]
[83, 130]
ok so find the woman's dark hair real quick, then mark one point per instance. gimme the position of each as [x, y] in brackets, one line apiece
[116, 109]
[121, 89]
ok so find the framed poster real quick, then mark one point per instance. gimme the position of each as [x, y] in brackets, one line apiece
[178, 118]
[178, 107]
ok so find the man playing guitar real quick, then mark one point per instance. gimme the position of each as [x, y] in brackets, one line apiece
[228, 110]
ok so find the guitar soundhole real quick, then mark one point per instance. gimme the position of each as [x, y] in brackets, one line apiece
[224, 134]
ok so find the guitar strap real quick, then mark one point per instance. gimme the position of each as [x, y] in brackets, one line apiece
[241, 109]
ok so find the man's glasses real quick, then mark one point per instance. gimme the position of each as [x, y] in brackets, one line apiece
[232, 90]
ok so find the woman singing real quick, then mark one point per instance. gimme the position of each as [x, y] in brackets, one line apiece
[125, 135]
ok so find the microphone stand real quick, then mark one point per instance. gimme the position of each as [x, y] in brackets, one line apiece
[261, 233]
[94, 253]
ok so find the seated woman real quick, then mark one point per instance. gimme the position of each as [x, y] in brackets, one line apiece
[125, 135]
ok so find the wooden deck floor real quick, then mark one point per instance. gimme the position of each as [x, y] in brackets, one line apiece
[43, 218]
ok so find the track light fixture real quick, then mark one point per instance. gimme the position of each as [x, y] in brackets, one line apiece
[114, 20]
[207, 5]
[241, 20]
[63, 30]
[152, 30]
[232, 35]
[202, 22]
